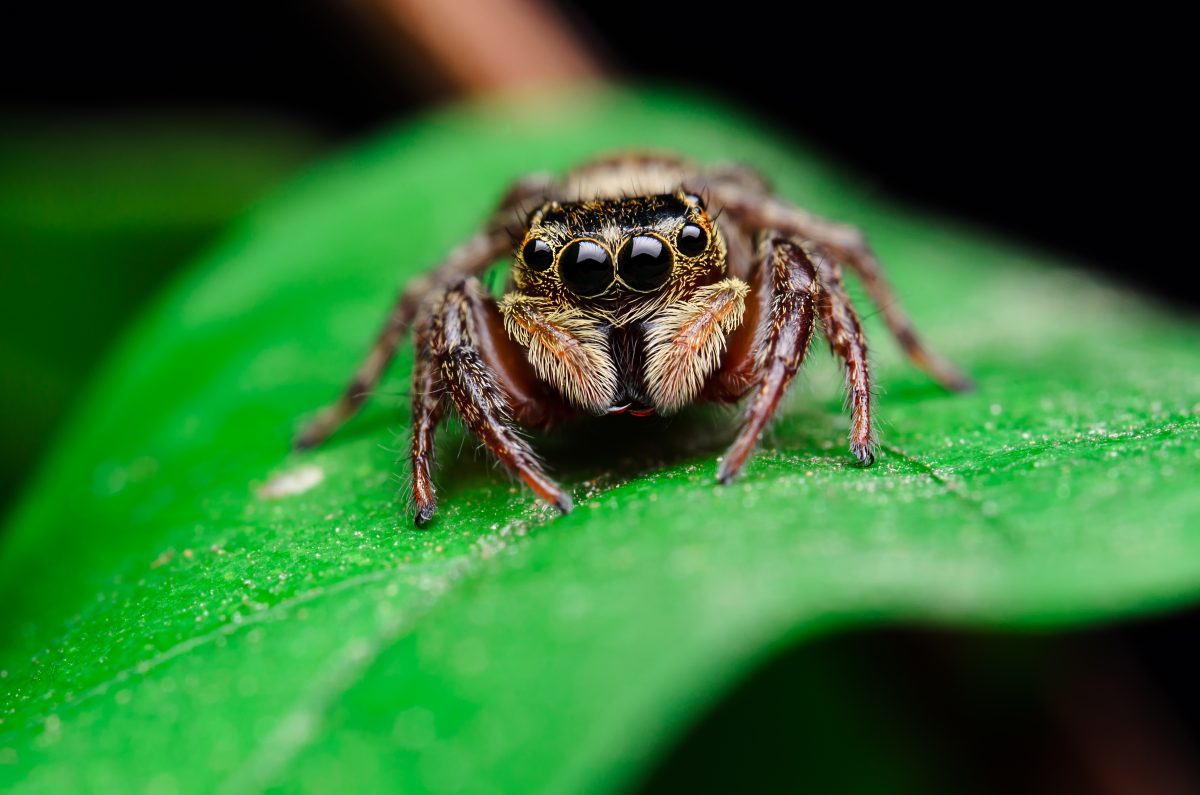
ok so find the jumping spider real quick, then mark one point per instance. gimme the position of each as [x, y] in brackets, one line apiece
[640, 284]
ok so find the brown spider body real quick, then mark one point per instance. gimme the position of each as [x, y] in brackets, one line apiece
[627, 295]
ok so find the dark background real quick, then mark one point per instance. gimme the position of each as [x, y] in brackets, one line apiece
[1066, 132]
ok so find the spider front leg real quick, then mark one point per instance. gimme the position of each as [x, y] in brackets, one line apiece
[481, 372]
[782, 338]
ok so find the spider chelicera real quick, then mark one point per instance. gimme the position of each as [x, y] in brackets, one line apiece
[628, 295]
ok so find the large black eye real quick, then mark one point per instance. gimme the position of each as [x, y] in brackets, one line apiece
[644, 263]
[692, 239]
[585, 268]
[537, 255]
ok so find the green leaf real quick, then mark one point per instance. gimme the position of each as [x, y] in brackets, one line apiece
[94, 216]
[170, 629]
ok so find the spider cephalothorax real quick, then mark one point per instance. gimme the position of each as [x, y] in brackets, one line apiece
[626, 296]
[599, 286]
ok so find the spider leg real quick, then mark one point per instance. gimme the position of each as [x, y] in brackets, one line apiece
[844, 331]
[850, 246]
[461, 346]
[428, 408]
[474, 255]
[468, 259]
[784, 333]
[736, 193]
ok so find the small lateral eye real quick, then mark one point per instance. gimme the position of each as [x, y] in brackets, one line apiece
[537, 254]
[695, 199]
[585, 268]
[692, 240]
[644, 263]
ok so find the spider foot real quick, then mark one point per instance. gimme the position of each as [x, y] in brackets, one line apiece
[865, 453]
[424, 514]
[733, 461]
[564, 503]
[307, 439]
[548, 490]
[946, 374]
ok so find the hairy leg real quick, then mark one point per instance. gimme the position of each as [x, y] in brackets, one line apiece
[784, 333]
[468, 259]
[428, 408]
[458, 341]
[684, 343]
[737, 195]
[844, 332]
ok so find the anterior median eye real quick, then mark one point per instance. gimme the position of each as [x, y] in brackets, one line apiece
[537, 255]
[585, 268]
[644, 263]
[692, 239]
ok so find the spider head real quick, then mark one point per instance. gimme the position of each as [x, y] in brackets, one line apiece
[620, 247]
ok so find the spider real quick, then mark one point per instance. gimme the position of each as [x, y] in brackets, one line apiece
[641, 283]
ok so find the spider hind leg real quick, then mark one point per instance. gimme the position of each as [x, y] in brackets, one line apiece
[742, 194]
[471, 257]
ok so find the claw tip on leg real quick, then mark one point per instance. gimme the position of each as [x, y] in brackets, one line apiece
[948, 376]
[563, 503]
[960, 383]
[309, 437]
[864, 453]
[425, 514]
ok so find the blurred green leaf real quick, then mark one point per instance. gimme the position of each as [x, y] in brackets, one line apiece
[94, 216]
[171, 630]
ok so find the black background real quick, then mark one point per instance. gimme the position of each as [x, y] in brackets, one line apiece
[1066, 131]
